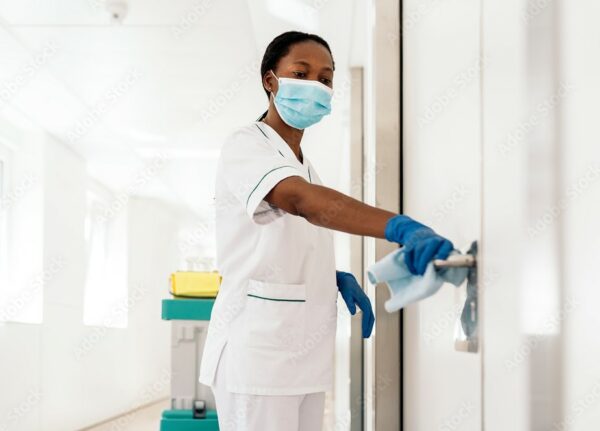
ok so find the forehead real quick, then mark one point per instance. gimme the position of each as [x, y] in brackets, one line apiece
[310, 52]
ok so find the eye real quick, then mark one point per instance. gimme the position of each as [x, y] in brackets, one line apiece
[326, 81]
[299, 74]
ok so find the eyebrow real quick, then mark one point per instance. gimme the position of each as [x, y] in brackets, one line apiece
[308, 65]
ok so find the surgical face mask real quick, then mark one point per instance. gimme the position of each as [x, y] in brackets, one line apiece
[302, 103]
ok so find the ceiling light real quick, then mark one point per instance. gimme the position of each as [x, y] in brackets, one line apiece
[118, 10]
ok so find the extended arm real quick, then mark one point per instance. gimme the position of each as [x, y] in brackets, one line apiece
[329, 208]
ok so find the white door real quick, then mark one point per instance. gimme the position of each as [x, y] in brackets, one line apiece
[500, 145]
[442, 188]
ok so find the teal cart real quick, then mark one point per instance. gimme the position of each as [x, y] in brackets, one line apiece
[192, 403]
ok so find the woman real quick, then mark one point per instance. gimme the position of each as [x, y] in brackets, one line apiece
[270, 346]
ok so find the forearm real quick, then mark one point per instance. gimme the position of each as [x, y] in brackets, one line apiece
[328, 208]
[334, 210]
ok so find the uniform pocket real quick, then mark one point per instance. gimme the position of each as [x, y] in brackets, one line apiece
[275, 315]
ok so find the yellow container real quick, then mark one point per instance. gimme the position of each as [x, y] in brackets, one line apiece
[195, 284]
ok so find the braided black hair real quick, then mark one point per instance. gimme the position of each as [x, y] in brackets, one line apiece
[280, 47]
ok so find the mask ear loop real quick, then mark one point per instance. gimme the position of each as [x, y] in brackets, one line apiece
[271, 92]
[271, 89]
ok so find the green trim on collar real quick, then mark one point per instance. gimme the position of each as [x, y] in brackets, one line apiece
[265, 135]
[261, 131]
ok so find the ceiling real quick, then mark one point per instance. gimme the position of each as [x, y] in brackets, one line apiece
[171, 81]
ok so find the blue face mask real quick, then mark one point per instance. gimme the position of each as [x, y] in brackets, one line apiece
[302, 103]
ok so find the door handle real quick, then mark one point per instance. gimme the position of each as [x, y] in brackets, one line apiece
[466, 337]
[456, 261]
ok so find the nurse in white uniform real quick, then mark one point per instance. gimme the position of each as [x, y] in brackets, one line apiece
[269, 352]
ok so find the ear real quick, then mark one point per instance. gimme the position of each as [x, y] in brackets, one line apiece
[270, 83]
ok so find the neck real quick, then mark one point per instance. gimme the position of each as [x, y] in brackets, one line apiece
[289, 134]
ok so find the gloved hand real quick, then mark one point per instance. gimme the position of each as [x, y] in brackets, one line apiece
[421, 243]
[353, 294]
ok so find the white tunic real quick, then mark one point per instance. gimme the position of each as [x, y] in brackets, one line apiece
[277, 304]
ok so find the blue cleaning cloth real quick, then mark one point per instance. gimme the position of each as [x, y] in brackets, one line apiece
[405, 287]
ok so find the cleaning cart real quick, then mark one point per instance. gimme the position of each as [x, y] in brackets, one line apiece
[192, 403]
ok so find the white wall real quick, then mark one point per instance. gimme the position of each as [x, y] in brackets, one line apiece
[62, 375]
[20, 392]
[580, 186]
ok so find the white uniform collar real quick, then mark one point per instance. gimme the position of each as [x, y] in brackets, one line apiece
[280, 144]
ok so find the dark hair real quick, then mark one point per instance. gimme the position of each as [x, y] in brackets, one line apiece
[280, 47]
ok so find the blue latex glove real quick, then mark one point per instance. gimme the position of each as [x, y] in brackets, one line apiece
[421, 243]
[353, 294]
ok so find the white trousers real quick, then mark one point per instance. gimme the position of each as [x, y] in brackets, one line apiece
[244, 412]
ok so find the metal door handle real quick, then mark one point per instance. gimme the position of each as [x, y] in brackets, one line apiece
[456, 261]
[466, 336]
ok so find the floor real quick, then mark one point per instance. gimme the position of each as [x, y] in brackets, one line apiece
[148, 418]
[144, 419]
